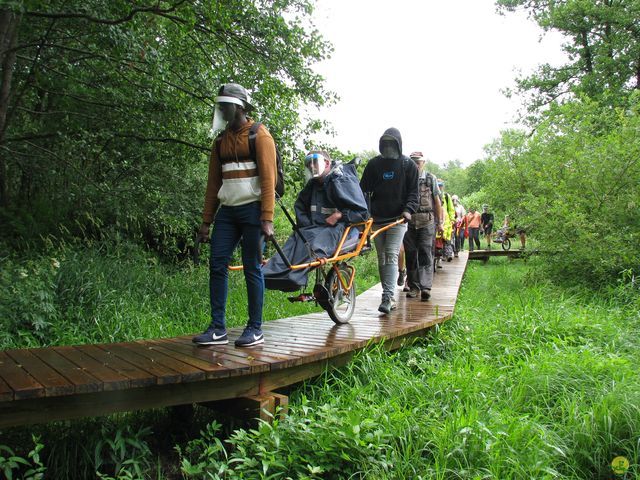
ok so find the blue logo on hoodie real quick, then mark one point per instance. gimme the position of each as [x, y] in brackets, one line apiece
[388, 175]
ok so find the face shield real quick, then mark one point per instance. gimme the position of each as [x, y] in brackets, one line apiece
[314, 165]
[224, 112]
[389, 149]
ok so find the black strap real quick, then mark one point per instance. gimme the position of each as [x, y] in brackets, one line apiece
[253, 133]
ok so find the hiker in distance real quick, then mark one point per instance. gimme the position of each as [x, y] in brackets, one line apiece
[239, 202]
[421, 233]
[390, 181]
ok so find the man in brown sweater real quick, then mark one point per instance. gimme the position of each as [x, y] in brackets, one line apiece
[239, 202]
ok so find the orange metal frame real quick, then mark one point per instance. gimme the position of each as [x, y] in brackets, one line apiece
[337, 257]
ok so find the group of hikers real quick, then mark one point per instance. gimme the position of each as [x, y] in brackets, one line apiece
[241, 196]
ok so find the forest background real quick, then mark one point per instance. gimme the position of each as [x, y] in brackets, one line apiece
[105, 110]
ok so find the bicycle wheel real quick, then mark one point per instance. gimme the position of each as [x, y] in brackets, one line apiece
[506, 244]
[341, 304]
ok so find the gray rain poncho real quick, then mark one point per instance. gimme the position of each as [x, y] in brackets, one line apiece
[340, 190]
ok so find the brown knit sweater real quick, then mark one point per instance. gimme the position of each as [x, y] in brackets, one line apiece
[235, 179]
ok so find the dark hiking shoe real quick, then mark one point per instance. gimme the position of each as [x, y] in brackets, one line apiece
[402, 276]
[250, 337]
[212, 336]
[387, 305]
[425, 295]
[413, 293]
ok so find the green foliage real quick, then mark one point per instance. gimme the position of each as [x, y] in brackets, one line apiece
[528, 381]
[114, 290]
[14, 466]
[573, 184]
[602, 46]
[110, 106]
[125, 455]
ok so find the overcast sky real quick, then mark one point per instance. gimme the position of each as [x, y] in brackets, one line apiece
[434, 69]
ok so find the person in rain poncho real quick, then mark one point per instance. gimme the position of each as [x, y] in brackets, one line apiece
[330, 200]
[448, 219]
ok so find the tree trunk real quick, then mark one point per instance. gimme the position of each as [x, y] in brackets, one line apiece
[586, 52]
[8, 34]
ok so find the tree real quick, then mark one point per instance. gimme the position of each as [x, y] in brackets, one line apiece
[603, 47]
[573, 183]
[108, 103]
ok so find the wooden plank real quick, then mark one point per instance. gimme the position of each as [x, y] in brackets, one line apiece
[41, 410]
[6, 393]
[82, 381]
[161, 373]
[212, 370]
[16, 377]
[53, 383]
[188, 372]
[251, 354]
[137, 377]
[233, 365]
[111, 379]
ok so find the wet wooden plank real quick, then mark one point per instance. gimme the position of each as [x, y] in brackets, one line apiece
[136, 376]
[82, 381]
[110, 378]
[233, 365]
[161, 373]
[16, 377]
[211, 369]
[6, 393]
[53, 383]
[188, 372]
[250, 354]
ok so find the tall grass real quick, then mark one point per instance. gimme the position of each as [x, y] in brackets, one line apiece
[527, 381]
[116, 291]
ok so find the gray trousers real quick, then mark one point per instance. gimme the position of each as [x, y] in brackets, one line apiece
[418, 251]
[388, 247]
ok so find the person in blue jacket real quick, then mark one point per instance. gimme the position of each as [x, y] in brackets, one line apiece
[390, 181]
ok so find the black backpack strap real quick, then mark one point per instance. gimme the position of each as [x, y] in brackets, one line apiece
[217, 142]
[253, 133]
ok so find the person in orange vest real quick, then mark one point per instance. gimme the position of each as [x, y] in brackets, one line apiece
[473, 223]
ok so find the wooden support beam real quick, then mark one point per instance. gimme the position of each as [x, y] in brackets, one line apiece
[264, 406]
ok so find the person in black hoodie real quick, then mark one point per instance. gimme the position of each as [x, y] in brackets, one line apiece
[390, 183]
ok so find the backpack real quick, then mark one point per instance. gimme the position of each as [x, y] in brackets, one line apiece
[253, 133]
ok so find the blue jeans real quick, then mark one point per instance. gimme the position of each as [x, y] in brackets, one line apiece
[232, 224]
[474, 238]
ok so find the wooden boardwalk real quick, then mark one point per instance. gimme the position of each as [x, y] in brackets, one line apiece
[498, 252]
[56, 383]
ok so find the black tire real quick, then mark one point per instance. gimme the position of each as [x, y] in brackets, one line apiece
[506, 244]
[340, 306]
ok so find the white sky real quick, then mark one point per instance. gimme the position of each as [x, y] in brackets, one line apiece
[432, 68]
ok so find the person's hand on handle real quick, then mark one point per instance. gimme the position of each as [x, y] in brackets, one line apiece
[267, 229]
[439, 228]
[407, 216]
[203, 232]
[333, 218]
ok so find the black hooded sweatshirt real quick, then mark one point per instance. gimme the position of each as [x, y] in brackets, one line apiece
[392, 184]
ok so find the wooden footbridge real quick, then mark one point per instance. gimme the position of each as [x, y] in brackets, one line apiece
[484, 255]
[57, 383]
